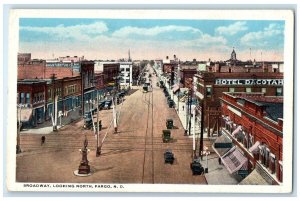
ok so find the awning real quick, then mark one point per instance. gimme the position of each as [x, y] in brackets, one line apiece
[233, 160]
[25, 114]
[222, 145]
[254, 147]
[238, 129]
[175, 88]
[254, 178]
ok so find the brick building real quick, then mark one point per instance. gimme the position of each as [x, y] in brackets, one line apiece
[209, 86]
[186, 75]
[67, 89]
[253, 122]
[37, 69]
[24, 58]
[31, 96]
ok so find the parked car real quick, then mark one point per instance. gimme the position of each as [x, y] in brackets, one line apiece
[107, 104]
[166, 136]
[169, 156]
[88, 123]
[169, 123]
[87, 115]
[196, 167]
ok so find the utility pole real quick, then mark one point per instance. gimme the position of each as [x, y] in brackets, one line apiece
[19, 130]
[202, 129]
[54, 102]
[190, 111]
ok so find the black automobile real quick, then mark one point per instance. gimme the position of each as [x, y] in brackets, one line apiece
[101, 104]
[169, 123]
[196, 167]
[87, 115]
[88, 123]
[169, 157]
[171, 103]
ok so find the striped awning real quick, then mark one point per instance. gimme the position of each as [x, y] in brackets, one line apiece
[254, 148]
[233, 160]
[175, 88]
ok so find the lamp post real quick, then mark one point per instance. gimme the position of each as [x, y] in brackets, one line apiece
[206, 152]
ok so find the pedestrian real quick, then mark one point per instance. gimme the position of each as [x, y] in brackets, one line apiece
[43, 139]
[220, 162]
[183, 107]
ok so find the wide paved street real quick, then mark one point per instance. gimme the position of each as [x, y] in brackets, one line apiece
[135, 154]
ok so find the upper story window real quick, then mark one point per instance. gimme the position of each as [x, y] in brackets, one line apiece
[279, 91]
[248, 90]
[27, 98]
[231, 89]
[264, 90]
[208, 91]
[22, 98]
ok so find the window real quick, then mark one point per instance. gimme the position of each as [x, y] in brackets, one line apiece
[22, 98]
[208, 91]
[49, 94]
[279, 91]
[248, 90]
[231, 90]
[263, 90]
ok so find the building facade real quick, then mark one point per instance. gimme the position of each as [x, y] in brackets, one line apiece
[31, 101]
[209, 86]
[253, 122]
[125, 75]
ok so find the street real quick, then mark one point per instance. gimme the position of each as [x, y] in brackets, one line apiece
[135, 154]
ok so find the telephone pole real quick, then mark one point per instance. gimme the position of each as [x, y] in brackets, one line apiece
[53, 102]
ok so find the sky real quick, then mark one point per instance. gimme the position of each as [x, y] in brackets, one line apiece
[106, 39]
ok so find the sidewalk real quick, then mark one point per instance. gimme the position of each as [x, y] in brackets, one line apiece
[217, 174]
[181, 109]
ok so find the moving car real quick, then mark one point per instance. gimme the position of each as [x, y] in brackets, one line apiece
[169, 156]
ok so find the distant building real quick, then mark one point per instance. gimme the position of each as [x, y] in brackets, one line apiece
[187, 73]
[125, 76]
[24, 58]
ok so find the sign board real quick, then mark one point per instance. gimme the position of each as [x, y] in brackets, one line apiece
[274, 82]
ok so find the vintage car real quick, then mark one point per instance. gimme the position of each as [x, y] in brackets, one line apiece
[196, 167]
[166, 136]
[169, 156]
[88, 123]
[169, 123]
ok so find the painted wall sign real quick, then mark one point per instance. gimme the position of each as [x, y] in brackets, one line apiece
[275, 82]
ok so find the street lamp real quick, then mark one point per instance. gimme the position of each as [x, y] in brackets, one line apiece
[206, 152]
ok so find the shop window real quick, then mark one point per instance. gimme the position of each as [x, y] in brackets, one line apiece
[27, 98]
[22, 98]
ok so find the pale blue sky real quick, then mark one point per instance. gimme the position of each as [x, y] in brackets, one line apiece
[151, 39]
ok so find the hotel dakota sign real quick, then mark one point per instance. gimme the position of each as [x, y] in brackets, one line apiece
[272, 82]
